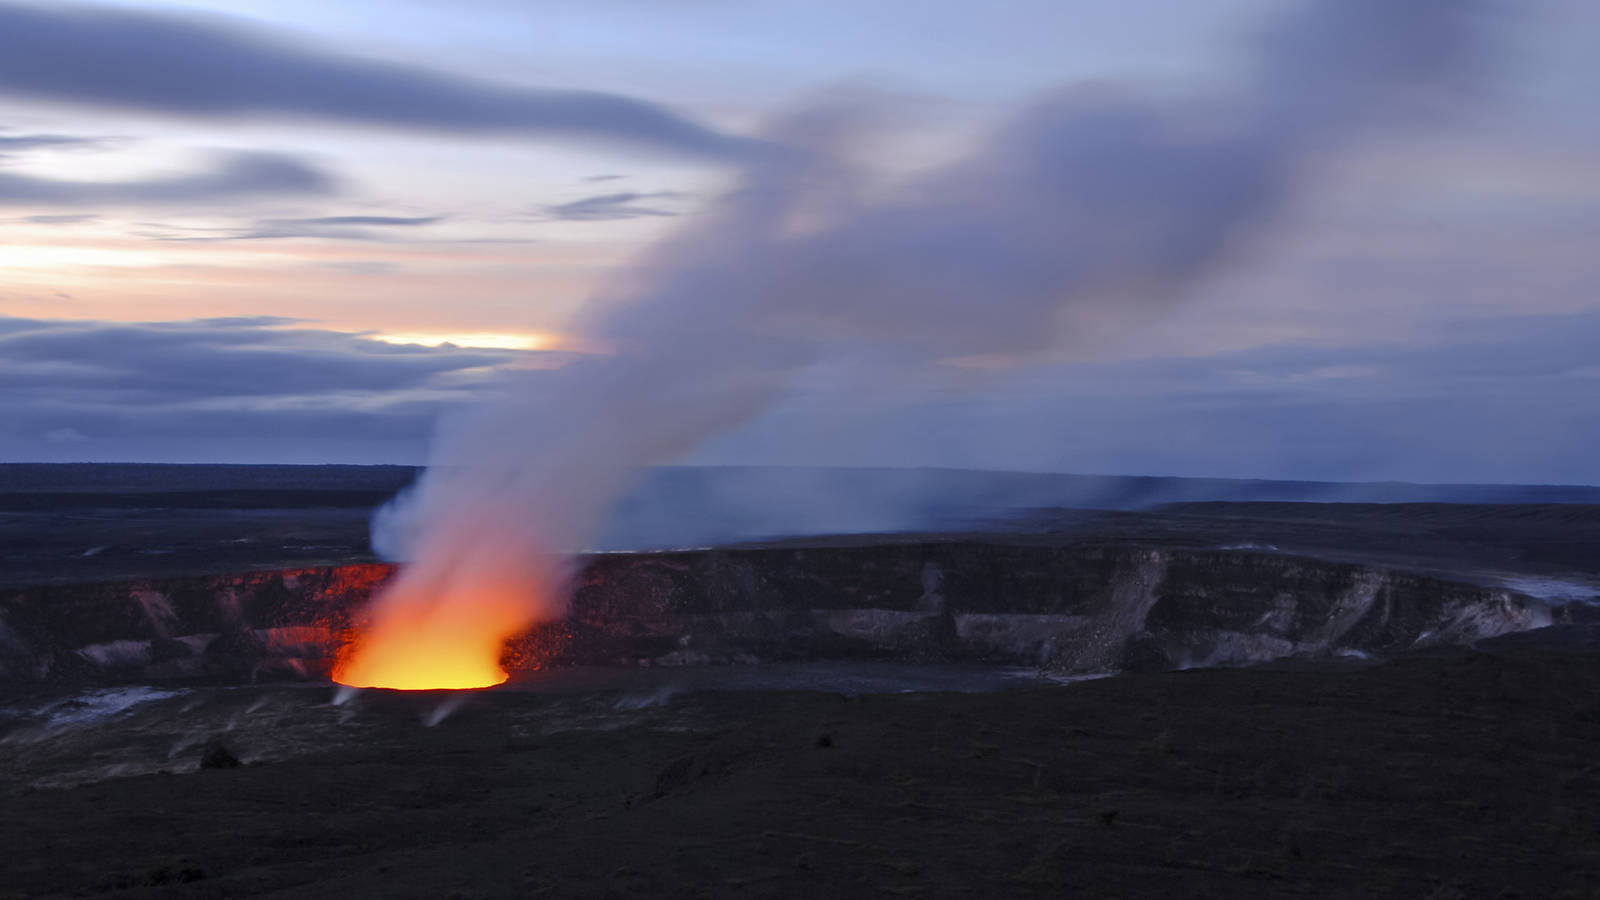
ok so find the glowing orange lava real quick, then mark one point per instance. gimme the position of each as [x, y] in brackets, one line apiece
[433, 630]
[415, 655]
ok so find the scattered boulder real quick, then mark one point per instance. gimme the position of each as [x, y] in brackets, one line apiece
[218, 756]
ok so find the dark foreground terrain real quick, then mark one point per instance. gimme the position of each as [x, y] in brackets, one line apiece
[143, 753]
[1452, 774]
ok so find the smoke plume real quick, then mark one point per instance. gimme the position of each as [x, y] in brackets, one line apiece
[1089, 203]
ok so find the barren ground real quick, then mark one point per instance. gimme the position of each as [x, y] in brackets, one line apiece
[1452, 774]
[1455, 775]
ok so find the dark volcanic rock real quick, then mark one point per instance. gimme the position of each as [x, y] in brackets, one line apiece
[227, 626]
[1075, 607]
[218, 756]
[1449, 774]
[1067, 607]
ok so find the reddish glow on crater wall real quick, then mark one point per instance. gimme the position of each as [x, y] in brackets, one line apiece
[444, 621]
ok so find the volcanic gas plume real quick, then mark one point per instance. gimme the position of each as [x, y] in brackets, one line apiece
[1090, 203]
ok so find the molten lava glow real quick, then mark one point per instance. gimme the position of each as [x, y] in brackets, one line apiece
[434, 630]
[414, 655]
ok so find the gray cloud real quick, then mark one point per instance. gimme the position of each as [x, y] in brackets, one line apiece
[1505, 399]
[67, 219]
[233, 175]
[609, 207]
[166, 64]
[11, 144]
[258, 386]
[166, 362]
[320, 221]
[343, 228]
[1514, 399]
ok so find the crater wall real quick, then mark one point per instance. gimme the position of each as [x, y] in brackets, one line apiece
[1069, 608]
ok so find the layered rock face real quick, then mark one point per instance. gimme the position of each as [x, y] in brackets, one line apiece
[1068, 608]
[247, 626]
[1072, 608]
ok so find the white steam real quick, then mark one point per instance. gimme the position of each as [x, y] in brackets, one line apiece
[1087, 205]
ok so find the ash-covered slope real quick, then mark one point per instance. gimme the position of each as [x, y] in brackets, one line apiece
[1066, 607]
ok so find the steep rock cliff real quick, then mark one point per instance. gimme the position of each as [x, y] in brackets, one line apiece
[1074, 608]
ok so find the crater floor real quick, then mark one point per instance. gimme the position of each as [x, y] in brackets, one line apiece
[1451, 774]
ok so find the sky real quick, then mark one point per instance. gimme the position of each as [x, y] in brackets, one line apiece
[237, 231]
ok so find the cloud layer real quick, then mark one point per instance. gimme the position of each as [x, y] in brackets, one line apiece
[1505, 399]
[237, 388]
[232, 176]
[1510, 399]
[343, 228]
[102, 56]
[11, 144]
[609, 207]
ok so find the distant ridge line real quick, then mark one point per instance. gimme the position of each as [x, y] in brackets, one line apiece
[964, 488]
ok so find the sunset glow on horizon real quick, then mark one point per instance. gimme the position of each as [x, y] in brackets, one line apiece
[487, 340]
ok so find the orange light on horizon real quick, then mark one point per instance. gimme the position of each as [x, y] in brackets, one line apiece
[490, 340]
